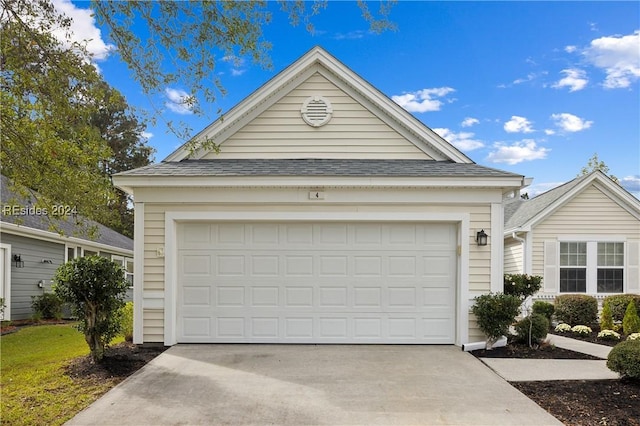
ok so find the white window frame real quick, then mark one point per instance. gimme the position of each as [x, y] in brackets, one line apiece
[592, 263]
[122, 261]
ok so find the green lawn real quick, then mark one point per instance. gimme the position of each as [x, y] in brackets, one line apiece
[35, 389]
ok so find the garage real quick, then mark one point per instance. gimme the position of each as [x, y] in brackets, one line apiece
[315, 282]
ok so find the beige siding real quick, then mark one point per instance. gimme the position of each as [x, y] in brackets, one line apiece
[513, 260]
[153, 328]
[590, 214]
[352, 132]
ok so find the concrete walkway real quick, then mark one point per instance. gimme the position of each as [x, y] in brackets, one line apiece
[526, 370]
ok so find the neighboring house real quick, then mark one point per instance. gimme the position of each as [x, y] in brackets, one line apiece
[581, 237]
[330, 215]
[30, 253]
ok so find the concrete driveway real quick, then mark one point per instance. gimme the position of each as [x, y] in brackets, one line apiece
[313, 385]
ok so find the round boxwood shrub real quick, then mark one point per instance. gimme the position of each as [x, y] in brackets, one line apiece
[495, 312]
[532, 329]
[624, 358]
[576, 309]
[545, 309]
[618, 304]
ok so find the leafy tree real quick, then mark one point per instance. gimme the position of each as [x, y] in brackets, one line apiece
[62, 128]
[49, 94]
[95, 288]
[594, 164]
[123, 132]
[192, 37]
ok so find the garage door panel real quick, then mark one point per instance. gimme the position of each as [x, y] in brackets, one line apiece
[316, 283]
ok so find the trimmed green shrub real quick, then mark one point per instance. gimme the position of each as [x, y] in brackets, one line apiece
[495, 312]
[46, 306]
[95, 287]
[619, 302]
[624, 358]
[545, 309]
[631, 321]
[126, 321]
[576, 309]
[532, 329]
[522, 285]
[606, 319]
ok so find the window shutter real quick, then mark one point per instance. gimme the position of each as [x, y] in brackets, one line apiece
[633, 267]
[551, 273]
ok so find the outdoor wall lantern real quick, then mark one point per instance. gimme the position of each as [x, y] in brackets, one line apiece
[17, 261]
[481, 238]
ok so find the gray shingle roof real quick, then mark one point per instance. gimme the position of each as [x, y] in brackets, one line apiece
[317, 167]
[105, 235]
[517, 212]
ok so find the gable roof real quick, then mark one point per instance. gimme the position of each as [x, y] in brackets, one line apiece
[523, 214]
[319, 60]
[105, 236]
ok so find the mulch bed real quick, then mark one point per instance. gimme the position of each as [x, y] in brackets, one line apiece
[8, 327]
[587, 402]
[119, 362]
[576, 402]
[544, 351]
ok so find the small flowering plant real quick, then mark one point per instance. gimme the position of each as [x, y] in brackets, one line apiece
[609, 335]
[633, 336]
[563, 328]
[522, 285]
[581, 329]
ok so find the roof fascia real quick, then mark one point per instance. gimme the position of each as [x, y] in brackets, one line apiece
[25, 231]
[256, 103]
[614, 191]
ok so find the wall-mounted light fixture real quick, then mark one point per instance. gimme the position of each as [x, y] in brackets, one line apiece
[49, 261]
[17, 261]
[481, 238]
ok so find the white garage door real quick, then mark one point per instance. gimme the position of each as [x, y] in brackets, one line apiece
[316, 282]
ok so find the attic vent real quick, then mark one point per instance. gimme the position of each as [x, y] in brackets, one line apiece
[316, 111]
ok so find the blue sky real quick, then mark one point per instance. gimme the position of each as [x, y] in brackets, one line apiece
[535, 88]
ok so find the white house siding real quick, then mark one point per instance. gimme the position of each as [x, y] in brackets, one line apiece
[513, 260]
[583, 216]
[352, 132]
[154, 238]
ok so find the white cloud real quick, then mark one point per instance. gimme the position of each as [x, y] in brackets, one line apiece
[529, 77]
[570, 123]
[575, 79]
[469, 121]
[423, 100]
[618, 56]
[179, 101]
[462, 140]
[146, 135]
[351, 35]
[549, 132]
[539, 188]
[631, 183]
[83, 30]
[525, 150]
[518, 125]
[570, 49]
